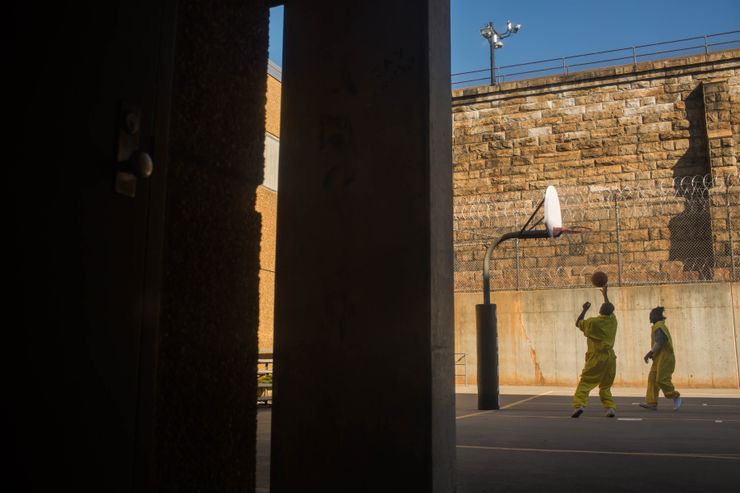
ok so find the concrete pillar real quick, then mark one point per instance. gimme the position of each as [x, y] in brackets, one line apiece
[364, 375]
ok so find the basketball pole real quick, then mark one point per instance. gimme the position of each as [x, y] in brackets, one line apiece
[486, 324]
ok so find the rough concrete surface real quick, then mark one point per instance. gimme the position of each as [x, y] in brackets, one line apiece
[540, 345]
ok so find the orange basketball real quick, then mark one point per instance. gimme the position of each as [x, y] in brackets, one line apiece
[599, 279]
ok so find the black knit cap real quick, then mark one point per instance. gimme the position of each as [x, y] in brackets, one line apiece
[657, 313]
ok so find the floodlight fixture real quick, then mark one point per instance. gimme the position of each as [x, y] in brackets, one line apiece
[487, 31]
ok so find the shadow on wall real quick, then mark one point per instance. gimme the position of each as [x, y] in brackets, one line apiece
[691, 230]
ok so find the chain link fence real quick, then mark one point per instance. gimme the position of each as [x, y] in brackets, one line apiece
[681, 230]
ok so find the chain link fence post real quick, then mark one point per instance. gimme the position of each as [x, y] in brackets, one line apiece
[619, 242]
[518, 256]
[728, 206]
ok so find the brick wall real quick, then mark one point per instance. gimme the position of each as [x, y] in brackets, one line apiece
[272, 107]
[590, 134]
[266, 206]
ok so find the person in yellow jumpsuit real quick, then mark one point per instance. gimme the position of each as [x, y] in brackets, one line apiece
[664, 362]
[601, 362]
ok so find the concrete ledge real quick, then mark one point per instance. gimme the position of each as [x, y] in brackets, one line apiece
[539, 345]
[610, 75]
[616, 391]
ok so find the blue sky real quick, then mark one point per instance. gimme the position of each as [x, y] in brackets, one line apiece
[275, 50]
[552, 29]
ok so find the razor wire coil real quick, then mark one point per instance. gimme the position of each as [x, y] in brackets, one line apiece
[680, 230]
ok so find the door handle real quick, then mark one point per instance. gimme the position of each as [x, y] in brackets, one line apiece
[133, 163]
[140, 164]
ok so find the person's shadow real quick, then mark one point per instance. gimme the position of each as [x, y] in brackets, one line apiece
[691, 230]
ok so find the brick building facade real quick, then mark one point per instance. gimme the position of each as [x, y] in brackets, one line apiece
[266, 206]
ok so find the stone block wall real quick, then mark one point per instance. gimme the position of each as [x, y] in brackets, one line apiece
[650, 127]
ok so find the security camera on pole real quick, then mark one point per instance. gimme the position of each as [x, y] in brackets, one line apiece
[494, 41]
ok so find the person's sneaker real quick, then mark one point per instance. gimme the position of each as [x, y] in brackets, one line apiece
[578, 411]
[610, 413]
[677, 403]
[652, 407]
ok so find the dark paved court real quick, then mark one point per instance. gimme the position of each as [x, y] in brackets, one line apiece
[536, 446]
[264, 422]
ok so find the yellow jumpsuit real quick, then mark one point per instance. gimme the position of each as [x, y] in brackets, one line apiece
[601, 362]
[662, 369]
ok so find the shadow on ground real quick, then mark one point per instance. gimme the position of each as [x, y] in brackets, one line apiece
[533, 445]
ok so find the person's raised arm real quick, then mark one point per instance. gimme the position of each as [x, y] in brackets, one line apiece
[586, 306]
[606, 297]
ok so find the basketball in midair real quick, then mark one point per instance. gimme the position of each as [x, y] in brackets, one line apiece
[599, 279]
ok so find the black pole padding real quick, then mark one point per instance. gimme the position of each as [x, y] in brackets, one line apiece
[487, 330]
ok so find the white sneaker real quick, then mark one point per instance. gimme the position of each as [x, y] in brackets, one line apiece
[677, 403]
[578, 411]
[610, 413]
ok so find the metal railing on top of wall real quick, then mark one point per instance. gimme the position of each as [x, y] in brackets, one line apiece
[619, 56]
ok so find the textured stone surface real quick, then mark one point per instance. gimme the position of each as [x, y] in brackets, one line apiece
[205, 426]
[593, 131]
[586, 133]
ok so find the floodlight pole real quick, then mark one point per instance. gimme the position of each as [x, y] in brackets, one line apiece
[493, 62]
[487, 325]
[494, 41]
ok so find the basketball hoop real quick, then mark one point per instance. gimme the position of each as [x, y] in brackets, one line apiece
[553, 221]
[485, 314]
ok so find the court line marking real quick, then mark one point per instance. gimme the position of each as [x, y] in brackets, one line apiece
[629, 419]
[506, 406]
[600, 417]
[526, 400]
[602, 452]
[666, 406]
